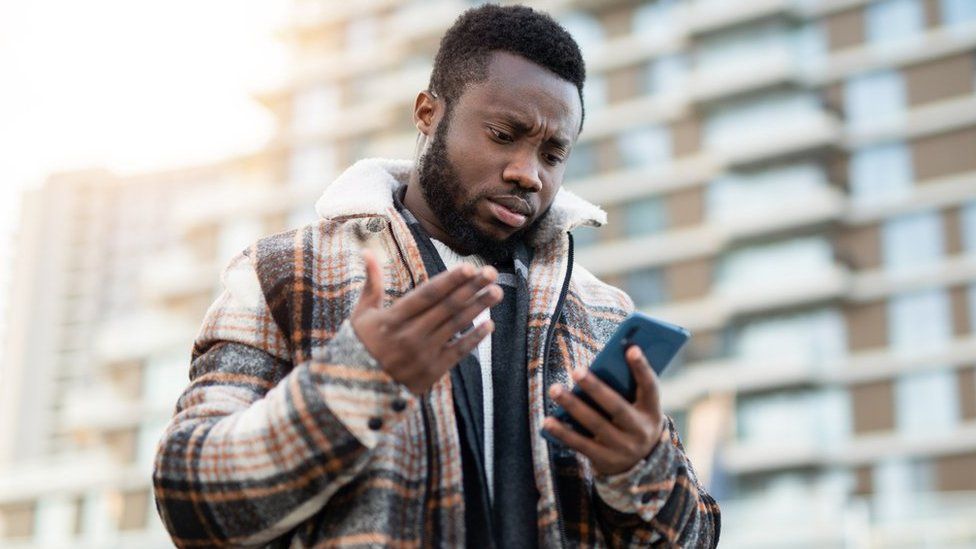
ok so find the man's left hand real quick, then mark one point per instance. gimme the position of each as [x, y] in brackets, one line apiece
[629, 434]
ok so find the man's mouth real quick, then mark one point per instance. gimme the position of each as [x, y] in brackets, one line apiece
[510, 210]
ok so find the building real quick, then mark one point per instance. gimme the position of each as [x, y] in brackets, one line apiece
[98, 346]
[793, 180]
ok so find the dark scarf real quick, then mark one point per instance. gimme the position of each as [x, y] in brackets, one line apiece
[512, 520]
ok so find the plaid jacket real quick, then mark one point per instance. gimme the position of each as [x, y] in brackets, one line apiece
[291, 435]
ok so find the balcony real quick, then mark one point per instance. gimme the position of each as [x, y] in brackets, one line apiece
[737, 375]
[312, 14]
[746, 458]
[931, 519]
[723, 305]
[813, 132]
[711, 85]
[824, 204]
[136, 337]
[942, 116]
[178, 280]
[707, 16]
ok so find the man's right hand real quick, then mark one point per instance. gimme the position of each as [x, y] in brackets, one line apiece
[413, 340]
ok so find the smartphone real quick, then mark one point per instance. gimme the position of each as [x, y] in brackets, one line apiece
[660, 341]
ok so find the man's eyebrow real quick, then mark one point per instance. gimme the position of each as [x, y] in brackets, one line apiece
[520, 126]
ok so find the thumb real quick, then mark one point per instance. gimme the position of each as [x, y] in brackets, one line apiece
[372, 296]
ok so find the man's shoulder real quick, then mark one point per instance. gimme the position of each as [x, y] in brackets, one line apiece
[598, 293]
[283, 259]
[321, 236]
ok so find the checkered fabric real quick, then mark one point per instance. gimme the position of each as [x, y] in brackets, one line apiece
[290, 435]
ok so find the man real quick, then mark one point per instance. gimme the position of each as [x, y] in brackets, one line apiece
[344, 387]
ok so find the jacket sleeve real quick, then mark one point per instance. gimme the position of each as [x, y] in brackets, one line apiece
[257, 444]
[658, 502]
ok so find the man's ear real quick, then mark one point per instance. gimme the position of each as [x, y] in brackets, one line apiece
[427, 112]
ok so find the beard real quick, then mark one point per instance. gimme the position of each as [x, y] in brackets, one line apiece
[442, 189]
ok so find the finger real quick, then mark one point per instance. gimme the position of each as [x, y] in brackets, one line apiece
[582, 412]
[372, 295]
[461, 347]
[460, 320]
[455, 303]
[584, 445]
[648, 389]
[431, 292]
[622, 413]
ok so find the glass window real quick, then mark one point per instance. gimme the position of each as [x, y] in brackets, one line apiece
[645, 287]
[362, 34]
[892, 21]
[235, 235]
[645, 146]
[774, 265]
[972, 308]
[301, 216]
[656, 20]
[148, 438]
[880, 173]
[96, 526]
[814, 337]
[919, 322]
[581, 163]
[164, 378]
[312, 166]
[666, 74]
[912, 241]
[646, 216]
[896, 482]
[585, 236]
[731, 50]
[55, 520]
[585, 29]
[314, 108]
[748, 195]
[968, 220]
[791, 418]
[874, 99]
[957, 12]
[594, 92]
[810, 43]
[927, 402]
[759, 118]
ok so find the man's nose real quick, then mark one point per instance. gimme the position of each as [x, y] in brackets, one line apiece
[523, 170]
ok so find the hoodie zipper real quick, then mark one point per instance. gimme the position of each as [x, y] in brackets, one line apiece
[546, 383]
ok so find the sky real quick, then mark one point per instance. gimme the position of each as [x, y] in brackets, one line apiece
[129, 85]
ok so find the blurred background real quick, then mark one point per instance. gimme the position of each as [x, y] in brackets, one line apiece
[793, 180]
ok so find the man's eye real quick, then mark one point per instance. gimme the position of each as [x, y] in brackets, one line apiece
[553, 159]
[500, 135]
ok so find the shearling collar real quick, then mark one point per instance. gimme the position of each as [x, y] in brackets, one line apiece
[367, 187]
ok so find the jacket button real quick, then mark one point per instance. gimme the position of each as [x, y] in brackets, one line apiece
[375, 225]
[399, 405]
[375, 423]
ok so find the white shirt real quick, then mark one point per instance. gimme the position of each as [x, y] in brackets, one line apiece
[450, 259]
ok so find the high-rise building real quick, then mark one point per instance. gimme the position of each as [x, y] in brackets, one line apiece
[102, 317]
[793, 180]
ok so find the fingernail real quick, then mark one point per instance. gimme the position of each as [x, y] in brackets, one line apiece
[556, 391]
[577, 375]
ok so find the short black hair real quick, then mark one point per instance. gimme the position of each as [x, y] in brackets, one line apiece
[466, 48]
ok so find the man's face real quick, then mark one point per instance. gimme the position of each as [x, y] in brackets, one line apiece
[494, 165]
